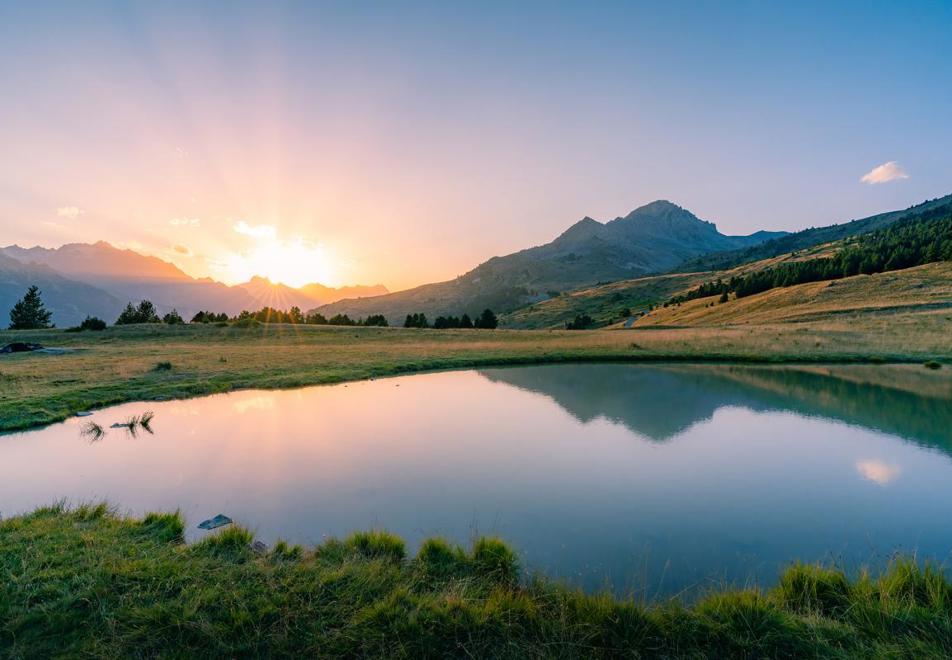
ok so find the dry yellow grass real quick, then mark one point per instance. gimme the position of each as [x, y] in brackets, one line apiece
[916, 294]
[119, 364]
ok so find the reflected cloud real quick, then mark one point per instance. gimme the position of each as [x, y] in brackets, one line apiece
[878, 472]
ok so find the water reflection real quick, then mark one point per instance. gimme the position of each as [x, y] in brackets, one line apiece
[653, 477]
[661, 401]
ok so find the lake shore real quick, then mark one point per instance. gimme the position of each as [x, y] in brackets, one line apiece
[86, 581]
[149, 362]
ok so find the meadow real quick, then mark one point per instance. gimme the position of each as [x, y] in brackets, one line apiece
[149, 362]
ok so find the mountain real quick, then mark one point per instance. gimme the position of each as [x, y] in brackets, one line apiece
[130, 276]
[279, 296]
[806, 239]
[125, 275]
[69, 300]
[652, 238]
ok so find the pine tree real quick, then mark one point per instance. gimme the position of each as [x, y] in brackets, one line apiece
[29, 313]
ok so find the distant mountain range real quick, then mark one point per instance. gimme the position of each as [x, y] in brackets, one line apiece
[653, 238]
[99, 279]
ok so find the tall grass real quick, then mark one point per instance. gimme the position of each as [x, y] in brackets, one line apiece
[85, 582]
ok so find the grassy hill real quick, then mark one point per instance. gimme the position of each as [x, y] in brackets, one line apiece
[907, 294]
[606, 303]
[808, 238]
[918, 238]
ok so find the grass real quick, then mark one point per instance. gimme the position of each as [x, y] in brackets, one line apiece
[118, 364]
[86, 582]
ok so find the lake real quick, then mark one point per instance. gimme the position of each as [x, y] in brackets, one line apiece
[652, 479]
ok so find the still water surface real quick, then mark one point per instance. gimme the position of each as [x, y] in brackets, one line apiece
[652, 478]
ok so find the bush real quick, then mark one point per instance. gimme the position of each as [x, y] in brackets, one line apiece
[163, 366]
[92, 323]
[932, 364]
[173, 318]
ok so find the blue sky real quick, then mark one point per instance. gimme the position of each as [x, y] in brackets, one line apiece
[410, 142]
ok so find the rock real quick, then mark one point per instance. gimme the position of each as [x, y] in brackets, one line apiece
[259, 547]
[84, 413]
[213, 523]
[117, 425]
[20, 347]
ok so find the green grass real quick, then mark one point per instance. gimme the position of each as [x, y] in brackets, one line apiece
[85, 582]
[118, 364]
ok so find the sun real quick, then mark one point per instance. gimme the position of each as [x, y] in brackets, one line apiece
[293, 263]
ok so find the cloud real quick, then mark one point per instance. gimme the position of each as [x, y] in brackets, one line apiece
[69, 211]
[256, 231]
[884, 173]
[181, 249]
[878, 471]
[185, 222]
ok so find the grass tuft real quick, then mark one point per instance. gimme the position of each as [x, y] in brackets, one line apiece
[233, 543]
[377, 545]
[493, 558]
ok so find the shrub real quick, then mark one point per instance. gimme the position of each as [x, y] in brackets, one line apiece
[162, 366]
[932, 364]
[92, 323]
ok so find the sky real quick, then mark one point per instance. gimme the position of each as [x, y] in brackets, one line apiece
[403, 143]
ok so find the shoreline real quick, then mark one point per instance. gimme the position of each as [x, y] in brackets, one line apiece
[85, 581]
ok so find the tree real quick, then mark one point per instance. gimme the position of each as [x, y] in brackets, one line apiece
[581, 322]
[487, 320]
[723, 298]
[466, 322]
[172, 318]
[29, 313]
[416, 321]
[144, 313]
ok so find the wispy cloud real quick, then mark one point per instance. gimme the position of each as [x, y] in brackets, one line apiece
[889, 171]
[185, 222]
[181, 249]
[256, 231]
[69, 211]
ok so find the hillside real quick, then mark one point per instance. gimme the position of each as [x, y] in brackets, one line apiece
[807, 238]
[923, 290]
[69, 300]
[653, 238]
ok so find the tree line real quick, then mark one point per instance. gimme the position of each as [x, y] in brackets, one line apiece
[925, 238]
[485, 321]
[30, 314]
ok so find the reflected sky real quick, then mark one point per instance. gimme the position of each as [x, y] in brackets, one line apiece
[644, 491]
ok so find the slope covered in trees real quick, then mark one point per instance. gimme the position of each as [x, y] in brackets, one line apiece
[919, 239]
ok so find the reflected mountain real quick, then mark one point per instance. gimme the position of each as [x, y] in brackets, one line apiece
[895, 400]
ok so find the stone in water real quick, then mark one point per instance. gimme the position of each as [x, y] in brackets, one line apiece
[218, 521]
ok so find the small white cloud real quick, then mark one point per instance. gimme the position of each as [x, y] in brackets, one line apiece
[884, 173]
[69, 211]
[256, 231]
[877, 471]
[185, 222]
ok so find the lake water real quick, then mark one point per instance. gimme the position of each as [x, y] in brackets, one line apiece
[652, 479]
